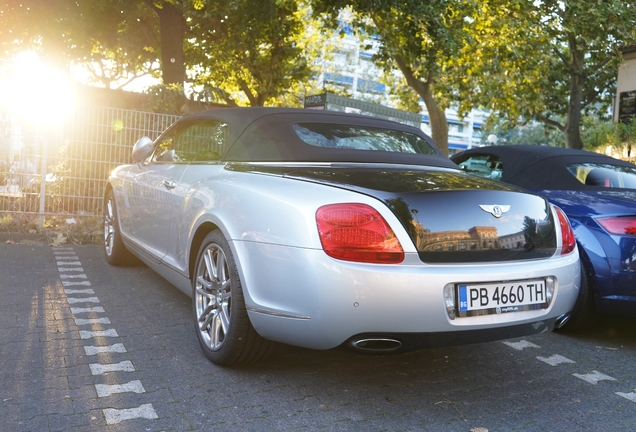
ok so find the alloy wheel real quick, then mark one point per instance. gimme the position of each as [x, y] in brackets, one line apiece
[213, 297]
[109, 227]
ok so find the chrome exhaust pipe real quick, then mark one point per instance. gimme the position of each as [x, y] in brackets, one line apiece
[562, 320]
[376, 345]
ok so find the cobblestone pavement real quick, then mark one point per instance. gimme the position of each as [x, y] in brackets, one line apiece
[87, 347]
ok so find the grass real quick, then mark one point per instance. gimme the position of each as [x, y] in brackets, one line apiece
[56, 230]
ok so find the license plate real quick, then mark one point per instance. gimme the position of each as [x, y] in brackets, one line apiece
[497, 298]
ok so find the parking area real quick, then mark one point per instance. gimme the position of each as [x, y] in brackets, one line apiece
[85, 346]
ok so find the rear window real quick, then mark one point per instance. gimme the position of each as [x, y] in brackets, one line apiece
[604, 175]
[486, 166]
[339, 136]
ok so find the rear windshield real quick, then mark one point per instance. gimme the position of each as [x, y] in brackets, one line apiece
[339, 136]
[604, 175]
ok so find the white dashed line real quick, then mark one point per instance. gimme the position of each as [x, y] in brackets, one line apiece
[82, 321]
[98, 369]
[521, 345]
[80, 291]
[555, 360]
[72, 300]
[114, 416]
[70, 269]
[630, 396]
[116, 348]
[97, 309]
[93, 334]
[104, 390]
[72, 276]
[68, 283]
[594, 377]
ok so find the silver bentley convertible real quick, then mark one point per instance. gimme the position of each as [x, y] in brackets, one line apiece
[322, 230]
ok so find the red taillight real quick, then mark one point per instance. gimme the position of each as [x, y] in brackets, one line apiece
[621, 225]
[357, 232]
[567, 234]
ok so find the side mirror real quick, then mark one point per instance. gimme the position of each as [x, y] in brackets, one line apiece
[142, 149]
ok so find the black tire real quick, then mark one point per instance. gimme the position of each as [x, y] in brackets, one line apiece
[584, 313]
[114, 248]
[222, 325]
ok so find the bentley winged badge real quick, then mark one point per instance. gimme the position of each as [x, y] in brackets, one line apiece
[495, 209]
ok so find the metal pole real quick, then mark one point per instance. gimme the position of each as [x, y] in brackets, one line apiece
[43, 182]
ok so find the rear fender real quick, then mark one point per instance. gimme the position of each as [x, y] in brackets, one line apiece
[594, 258]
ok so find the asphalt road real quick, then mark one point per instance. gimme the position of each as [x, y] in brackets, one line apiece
[89, 347]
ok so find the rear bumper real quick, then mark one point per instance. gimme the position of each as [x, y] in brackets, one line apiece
[303, 297]
[418, 341]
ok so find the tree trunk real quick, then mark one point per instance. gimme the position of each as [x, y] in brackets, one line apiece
[437, 116]
[172, 28]
[572, 131]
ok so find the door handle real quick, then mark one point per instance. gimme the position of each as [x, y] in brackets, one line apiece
[169, 184]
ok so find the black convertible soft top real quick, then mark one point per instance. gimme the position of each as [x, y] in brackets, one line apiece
[540, 167]
[260, 134]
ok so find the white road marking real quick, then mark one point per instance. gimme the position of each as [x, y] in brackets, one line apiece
[72, 300]
[102, 333]
[521, 345]
[114, 416]
[104, 390]
[594, 377]
[116, 348]
[84, 321]
[71, 276]
[80, 291]
[67, 283]
[630, 396]
[555, 360]
[83, 310]
[99, 369]
[70, 269]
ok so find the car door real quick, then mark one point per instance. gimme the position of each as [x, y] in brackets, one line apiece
[154, 194]
[202, 143]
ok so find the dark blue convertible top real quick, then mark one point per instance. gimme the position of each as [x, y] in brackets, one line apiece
[540, 167]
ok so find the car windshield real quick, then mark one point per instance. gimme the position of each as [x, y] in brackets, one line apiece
[339, 136]
[604, 175]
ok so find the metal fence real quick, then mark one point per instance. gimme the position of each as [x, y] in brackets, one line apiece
[62, 170]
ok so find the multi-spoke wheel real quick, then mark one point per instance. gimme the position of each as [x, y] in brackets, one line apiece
[114, 249]
[223, 328]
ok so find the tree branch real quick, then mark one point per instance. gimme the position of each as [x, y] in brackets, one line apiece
[550, 122]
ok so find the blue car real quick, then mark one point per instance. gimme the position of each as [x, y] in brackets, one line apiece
[598, 194]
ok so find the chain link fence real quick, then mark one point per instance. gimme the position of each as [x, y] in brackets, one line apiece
[62, 170]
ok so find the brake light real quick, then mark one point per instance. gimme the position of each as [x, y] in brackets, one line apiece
[357, 232]
[621, 225]
[567, 234]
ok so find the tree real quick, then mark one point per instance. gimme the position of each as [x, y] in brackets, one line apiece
[114, 40]
[418, 38]
[257, 47]
[552, 61]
